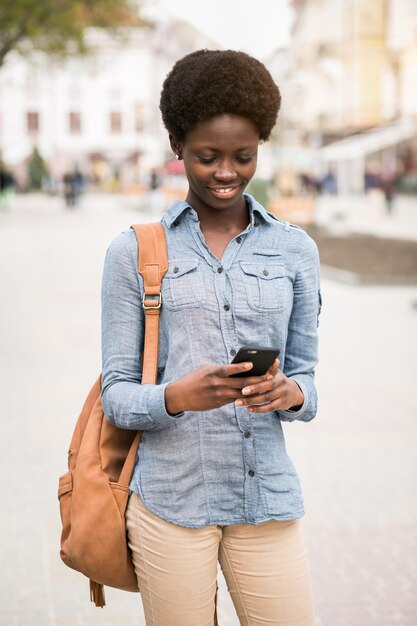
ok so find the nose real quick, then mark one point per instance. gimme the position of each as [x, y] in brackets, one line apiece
[225, 170]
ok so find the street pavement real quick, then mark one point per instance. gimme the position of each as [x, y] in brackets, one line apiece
[357, 460]
[368, 215]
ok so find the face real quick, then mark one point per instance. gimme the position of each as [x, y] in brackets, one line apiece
[220, 156]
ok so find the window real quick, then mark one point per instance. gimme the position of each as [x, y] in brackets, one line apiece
[115, 122]
[32, 119]
[74, 123]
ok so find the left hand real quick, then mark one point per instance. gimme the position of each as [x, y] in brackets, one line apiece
[276, 393]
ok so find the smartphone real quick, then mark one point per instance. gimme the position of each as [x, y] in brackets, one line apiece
[262, 359]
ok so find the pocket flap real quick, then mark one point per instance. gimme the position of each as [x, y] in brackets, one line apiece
[264, 271]
[179, 267]
[267, 252]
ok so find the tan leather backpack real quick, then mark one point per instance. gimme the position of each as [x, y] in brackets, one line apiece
[93, 493]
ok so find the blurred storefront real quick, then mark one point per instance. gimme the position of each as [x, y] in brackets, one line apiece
[98, 113]
[386, 150]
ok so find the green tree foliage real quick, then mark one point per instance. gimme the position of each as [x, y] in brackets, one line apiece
[57, 26]
[37, 170]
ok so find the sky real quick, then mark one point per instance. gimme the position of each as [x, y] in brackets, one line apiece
[254, 26]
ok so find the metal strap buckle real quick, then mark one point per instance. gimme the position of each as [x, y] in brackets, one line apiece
[152, 297]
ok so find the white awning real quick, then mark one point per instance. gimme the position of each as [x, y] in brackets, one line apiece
[370, 141]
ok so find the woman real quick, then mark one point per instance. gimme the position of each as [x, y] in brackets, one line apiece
[213, 480]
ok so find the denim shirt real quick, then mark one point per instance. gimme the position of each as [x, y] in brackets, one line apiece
[222, 466]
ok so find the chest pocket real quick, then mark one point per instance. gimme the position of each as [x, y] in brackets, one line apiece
[183, 285]
[265, 285]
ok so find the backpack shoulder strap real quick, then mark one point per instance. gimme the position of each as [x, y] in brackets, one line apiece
[152, 265]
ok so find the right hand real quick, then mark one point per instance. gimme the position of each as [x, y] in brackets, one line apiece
[208, 387]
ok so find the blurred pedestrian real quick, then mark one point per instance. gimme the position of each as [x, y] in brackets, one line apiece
[6, 185]
[388, 188]
[51, 184]
[372, 177]
[374, 190]
[310, 184]
[329, 183]
[154, 197]
[73, 187]
[213, 480]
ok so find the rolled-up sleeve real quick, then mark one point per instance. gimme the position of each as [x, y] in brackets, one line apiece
[301, 353]
[126, 402]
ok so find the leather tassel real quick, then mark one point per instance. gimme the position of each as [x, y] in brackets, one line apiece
[97, 594]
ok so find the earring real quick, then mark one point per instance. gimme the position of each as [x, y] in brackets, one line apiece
[177, 156]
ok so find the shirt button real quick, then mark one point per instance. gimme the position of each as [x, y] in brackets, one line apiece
[256, 224]
[176, 270]
[176, 223]
[247, 434]
[219, 269]
[265, 273]
[251, 473]
[226, 307]
[238, 239]
[233, 352]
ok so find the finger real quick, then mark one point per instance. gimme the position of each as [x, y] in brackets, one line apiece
[274, 367]
[243, 379]
[224, 394]
[240, 382]
[278, 404]
[247, 381]
[234, 369]
[269, 382]
[264, 408]
[258, 388]
[260, 398]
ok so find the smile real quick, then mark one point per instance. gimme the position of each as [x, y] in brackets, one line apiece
[225, 192]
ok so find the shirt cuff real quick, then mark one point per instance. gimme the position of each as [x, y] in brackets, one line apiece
[157, 408]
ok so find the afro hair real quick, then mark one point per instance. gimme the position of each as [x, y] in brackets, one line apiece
[211, 82]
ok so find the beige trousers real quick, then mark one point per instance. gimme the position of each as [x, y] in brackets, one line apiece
[265, 568]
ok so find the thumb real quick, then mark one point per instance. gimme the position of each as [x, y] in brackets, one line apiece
[274, 368]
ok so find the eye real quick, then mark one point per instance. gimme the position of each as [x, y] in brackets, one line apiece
[206, 160]
[244, 159]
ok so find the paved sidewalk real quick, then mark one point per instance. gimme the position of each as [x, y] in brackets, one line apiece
[367, 214]
[357, 460]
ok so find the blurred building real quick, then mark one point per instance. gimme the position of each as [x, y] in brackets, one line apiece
[402, 44]
[99, 112]
[353, 78]
[354, 64]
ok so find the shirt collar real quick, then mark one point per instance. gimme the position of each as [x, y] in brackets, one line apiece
[257, 210]
[178, 207]
[175, 210]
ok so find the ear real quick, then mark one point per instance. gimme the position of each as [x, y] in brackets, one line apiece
[176, 145]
